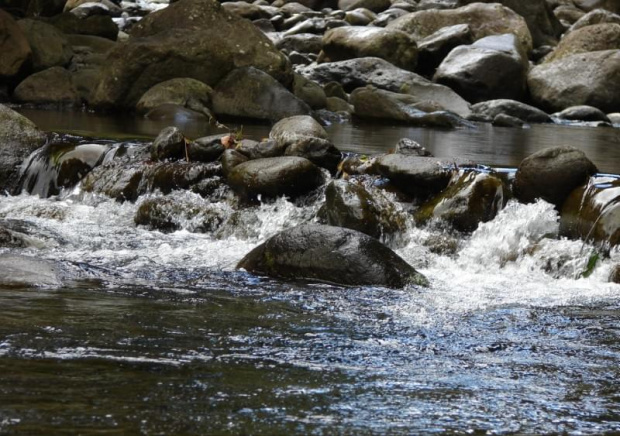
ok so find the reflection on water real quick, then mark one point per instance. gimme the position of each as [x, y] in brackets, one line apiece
[485, 144]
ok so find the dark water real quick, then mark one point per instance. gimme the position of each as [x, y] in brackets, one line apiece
[484, 144]
[158, 334]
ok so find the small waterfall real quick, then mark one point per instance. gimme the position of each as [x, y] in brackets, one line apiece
[60, 165]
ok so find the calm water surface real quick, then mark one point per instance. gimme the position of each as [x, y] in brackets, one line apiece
[158, 334]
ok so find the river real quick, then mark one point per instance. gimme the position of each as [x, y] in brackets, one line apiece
[156, 333]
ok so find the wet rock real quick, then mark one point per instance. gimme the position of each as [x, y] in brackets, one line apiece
[597, 16]
[614, 117]
[373, 5]
[96, 25]
[435, 47]
[53, 86]
[246, 10]
[18, 271]
[230, 159]
[309, 92]
[206, 149]
[387, 16]
[301, 43]
[274, 177]
[542, 23]
[488, 110]
[582, 113]
[372, 103]
[614, 277]
[320, 152]
[185, 92]
[59, 165]
[88, 8]
[483, 19]
[592, 212]
[415, 175]
[552, 174]
[169, 144]
[581, 79]
[126, 182]
[23, 234]
[394, 46]
[331, 254]
[18, 138]
[355, 73]
[409, 147]
[258, 150]
[503, 120]
[589, 5]
[293, 129]
[335, 89]
[492, 67]
[351, 206]
[50, 47]
[14, 46]
[335, 104]
[169, 44]
[172, 213]
[587, 39]
[250, 93]
[471, 198]
[174, 113]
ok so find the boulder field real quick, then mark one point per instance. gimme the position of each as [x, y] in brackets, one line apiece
[429, 63]
[363, 206]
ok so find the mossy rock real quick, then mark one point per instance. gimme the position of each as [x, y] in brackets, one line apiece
[471, 198]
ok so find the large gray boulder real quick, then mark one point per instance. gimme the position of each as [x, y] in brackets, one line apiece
[605, 36]
[182, 91]
[582, 79]
[435, 47]
[590, 5]
[355, 73]
[395, 46]
[492, 67]
[14, 46]
[483, 19]
[597, 16]
[251, 93]
[289, 176]
[379, 104]
[542, 23]
[18, 138]
[551, 174]
[50, 47]
[190, 38]
[53, 86]
[331, 254]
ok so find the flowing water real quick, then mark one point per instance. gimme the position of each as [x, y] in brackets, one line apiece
[157, 333]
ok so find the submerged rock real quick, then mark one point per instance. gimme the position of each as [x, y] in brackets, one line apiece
[28, 272]
[582, 113]
[471, 198]
[274, 177]
[290, 130]
[552, 174]
[352, 206]
[592, 212]
[331, 254]
[172, 213]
